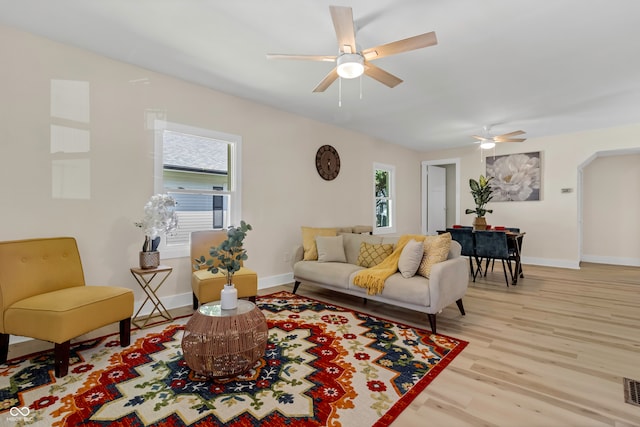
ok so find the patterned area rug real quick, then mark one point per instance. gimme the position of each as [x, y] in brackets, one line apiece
[324, 366]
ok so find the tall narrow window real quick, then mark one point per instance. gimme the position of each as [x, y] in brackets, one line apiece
[384, 194]
[200, 169]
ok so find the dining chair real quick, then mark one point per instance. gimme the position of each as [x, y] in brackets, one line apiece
[492, 245]
[464, 236]
[512, 247]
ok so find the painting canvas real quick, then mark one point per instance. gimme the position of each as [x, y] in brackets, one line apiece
[516, 177]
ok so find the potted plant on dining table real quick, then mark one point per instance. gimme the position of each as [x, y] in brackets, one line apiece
[482, 193]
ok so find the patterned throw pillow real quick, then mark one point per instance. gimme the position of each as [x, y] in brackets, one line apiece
[436, 249]
[372, 254]
[309, 240]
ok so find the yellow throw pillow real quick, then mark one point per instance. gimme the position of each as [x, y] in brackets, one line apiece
[309, 240]
[372, 254]
[436, 249]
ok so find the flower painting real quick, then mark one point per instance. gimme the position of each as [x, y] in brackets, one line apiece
[516, 177]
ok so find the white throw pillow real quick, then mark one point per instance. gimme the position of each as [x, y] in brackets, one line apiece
[410, 258]
[330, 249]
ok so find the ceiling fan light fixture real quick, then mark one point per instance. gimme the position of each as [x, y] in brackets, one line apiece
[487, 145]
[350, 65]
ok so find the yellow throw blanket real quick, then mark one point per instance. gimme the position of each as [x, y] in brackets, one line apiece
[373, 278]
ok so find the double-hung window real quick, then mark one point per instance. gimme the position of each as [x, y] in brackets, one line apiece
[384, 198]
[200, 168]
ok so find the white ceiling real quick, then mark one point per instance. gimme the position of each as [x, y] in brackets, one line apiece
[546, 67]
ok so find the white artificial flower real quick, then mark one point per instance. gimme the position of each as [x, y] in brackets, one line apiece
[159, 216]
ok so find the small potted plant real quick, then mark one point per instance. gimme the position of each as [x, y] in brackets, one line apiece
[482, 193]
[159, 217]
[228, 256]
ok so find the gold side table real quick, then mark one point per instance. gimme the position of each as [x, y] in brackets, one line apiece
[145, 277]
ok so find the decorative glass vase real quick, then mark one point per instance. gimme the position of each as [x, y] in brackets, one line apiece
[229, 297]
[149, 259]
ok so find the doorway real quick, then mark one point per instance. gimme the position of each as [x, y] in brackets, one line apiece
[452, 193]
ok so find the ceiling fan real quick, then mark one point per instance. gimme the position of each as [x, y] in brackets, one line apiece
[352, 62]
[487, 141]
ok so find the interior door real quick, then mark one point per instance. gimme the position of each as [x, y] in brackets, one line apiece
[436, 199]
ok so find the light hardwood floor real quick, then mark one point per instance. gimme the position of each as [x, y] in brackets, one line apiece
[551, 351]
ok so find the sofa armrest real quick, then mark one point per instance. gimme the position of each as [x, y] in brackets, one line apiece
[448, 282]
[296, 254]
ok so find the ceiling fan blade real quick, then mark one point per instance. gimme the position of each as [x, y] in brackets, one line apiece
[515, 133]
[325, 58]
[481, 138]
[381, 75]
[411, 43]
[326, 82]
[345, 30]
[497, 139]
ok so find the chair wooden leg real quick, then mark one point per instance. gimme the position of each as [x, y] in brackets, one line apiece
[125, 332]
[196, 303]
[505, 272]
[295, 286]
[432, 322]
[4, 347]
[460, 306]
[61, 355]
[473, 272]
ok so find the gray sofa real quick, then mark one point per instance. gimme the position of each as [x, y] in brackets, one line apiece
[447, 283]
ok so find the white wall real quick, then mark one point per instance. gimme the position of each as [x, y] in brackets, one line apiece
[281, 188]
[551, 224]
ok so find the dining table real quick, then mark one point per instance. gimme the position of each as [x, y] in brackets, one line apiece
[515, 238]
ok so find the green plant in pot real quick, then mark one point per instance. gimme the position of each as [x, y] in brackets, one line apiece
[228, 257]
[482, 193]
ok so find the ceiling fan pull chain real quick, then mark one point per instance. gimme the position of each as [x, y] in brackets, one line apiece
[339, 91]
[361, 87]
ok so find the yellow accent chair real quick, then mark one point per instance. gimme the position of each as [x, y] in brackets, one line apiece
[43, 295]
[207, 286]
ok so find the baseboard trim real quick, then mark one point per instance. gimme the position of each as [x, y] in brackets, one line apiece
[548, 262]
[597, 259]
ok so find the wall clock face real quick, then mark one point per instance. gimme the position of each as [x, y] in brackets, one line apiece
[328, 162]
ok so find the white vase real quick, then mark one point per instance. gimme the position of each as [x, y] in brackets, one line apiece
[229, 297]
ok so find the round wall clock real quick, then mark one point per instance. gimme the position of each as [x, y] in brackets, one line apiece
[327, 162]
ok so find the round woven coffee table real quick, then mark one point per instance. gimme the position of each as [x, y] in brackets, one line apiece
[222, 343]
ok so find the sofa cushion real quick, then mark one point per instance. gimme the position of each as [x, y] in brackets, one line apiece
[352, 243]
[410, 258]
[330, 249]
[414, 290]
[334, 274]
[436, 249]
[373, 254]
[309, 235]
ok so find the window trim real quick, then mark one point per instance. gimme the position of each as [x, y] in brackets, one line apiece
[391, 198]
[235, 195]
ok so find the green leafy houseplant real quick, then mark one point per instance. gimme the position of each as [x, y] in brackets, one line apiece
[482, 193]
[229, 254]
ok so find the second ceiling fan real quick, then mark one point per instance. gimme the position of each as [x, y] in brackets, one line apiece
[488, 141]
[352, 62]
